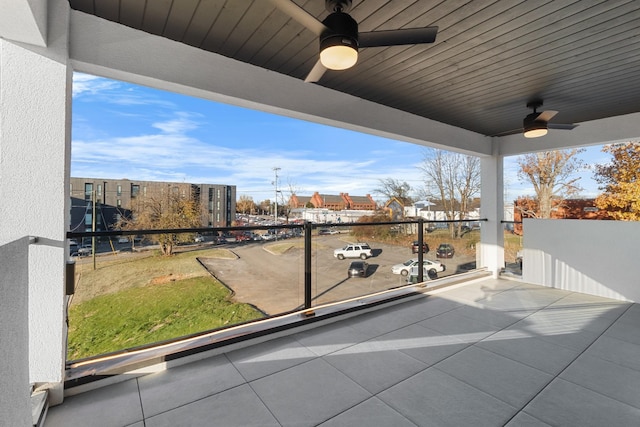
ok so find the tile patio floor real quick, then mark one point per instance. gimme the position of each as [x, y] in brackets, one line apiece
[488, 353]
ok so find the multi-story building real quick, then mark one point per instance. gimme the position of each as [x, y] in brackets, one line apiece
[116, 197]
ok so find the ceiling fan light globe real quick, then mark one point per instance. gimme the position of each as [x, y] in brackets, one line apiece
[339, 57]
[535, 133]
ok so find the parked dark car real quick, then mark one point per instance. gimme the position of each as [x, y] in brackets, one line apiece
[358, 269]
[415, 247]
[445, 250]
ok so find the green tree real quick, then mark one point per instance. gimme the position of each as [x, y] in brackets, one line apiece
[165, 208]
[620, 181]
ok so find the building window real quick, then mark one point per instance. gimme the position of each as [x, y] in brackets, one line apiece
[87, 219]
[88, 190]
[119, 190]
[135, 190]
[144, 190]
[99, 190]
[118, 203]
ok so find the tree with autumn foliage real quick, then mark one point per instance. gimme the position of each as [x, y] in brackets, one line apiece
[245, 205]
[164, 208]
[620, 180]
[552, 174]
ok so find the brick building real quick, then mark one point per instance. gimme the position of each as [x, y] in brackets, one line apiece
[342, 201]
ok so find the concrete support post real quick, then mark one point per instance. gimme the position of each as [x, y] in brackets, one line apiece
[35, 151]
[490, 254]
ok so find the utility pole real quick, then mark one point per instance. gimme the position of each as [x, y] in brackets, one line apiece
[275, 183]
[93, 226]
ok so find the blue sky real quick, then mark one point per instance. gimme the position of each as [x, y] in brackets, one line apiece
[121, 130]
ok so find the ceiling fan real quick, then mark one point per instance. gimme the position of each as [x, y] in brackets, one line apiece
[537, 124]
[339, 37]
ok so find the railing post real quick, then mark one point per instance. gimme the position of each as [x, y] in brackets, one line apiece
[420, 249]
[307, 264]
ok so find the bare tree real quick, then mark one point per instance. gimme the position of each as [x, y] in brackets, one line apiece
[552, 174]
[390, 188]
[454, 178]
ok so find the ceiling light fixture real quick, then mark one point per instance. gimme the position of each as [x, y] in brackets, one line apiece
[534, 128]
[339, 43]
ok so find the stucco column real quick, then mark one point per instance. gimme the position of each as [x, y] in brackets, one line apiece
[490, 254]
[35, 147]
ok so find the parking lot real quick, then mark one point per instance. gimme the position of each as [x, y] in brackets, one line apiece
[275, 282]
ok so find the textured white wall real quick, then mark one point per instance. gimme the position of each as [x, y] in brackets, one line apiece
[15, 409]
[35, 89]
[592, 257]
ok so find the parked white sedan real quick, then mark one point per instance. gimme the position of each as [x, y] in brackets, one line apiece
[432, 267]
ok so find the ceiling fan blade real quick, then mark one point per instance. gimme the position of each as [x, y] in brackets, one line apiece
[545, 116]
[316, 73]
[509, 132]
[561, 126]
[299, 14]
[397, 37]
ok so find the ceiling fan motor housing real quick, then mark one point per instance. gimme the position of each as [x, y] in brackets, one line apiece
[341, 29]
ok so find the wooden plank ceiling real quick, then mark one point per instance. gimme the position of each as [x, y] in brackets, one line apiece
[490, 57]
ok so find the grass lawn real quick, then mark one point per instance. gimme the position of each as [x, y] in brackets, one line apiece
[126, 303]
[138, 316]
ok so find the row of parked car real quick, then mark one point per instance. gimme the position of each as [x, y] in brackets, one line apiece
[407, 268]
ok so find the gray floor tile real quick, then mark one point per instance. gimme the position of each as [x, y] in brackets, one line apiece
[459, 326]
[626, 329]
[599, 306]
[380, 322]
[572, 318]
[540, 354]
[525, 420]
[308, 394]
[559, 334]
[329, 338]
[495, 319]
[263, 359]
[373, 366]
[371, 412]
[237, 407]
[566, 404]
[503, 378]
[424, 344]
[433, 398]
[116, 405]
[183, 384]
[614, 350]
[607, 378]
[522, 298]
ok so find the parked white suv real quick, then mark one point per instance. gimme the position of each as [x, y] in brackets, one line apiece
[354, 250]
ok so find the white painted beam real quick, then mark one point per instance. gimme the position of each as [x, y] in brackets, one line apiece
[24, 21]
[596, 132]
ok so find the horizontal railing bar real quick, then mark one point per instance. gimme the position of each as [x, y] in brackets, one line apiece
[72, 234]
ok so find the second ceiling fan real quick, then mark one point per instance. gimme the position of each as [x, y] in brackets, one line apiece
[340, 39]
